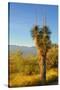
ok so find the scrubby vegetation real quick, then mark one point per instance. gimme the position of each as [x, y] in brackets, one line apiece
[25, 71]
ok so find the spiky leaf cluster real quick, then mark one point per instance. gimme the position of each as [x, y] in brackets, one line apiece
[42, 36]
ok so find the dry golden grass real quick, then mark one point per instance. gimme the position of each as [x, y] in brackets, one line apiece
[19, 80]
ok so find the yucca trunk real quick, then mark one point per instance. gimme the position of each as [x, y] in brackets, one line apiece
[42, 66]
[40, 62]
[44, 70]
[40, 59]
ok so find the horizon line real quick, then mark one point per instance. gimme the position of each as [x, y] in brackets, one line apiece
[22, 45]
[26, 45]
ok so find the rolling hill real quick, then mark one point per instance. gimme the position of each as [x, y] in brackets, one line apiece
[24, 49]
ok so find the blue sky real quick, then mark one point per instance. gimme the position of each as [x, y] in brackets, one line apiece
[22, 17]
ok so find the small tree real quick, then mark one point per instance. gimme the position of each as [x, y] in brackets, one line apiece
[41, 37]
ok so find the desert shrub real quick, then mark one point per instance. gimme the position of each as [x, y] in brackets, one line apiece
[30, 66]
[52, 57]
[25, 66]
[14, 61]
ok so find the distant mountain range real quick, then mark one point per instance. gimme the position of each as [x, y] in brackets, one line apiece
[24, 49]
